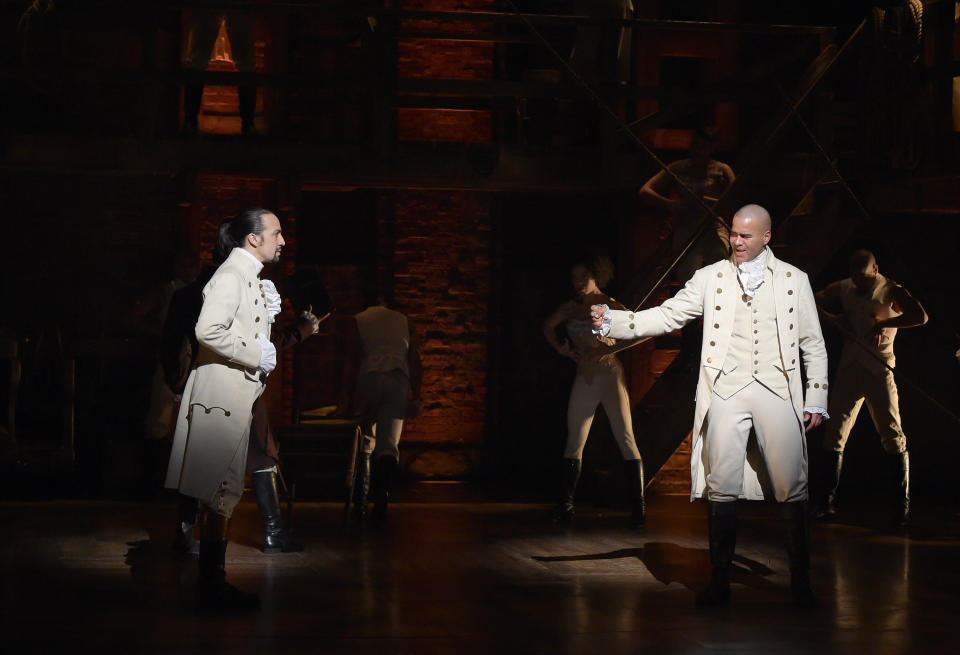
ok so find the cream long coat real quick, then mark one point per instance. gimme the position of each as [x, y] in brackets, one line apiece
[218, 398]
[711, 293]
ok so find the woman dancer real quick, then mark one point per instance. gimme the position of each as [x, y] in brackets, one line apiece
[599, 381]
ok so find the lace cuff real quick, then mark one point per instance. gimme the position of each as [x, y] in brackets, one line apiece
[817, 410]
[607, 321]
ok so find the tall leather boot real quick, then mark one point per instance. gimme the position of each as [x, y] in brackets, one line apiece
[184, 543]
[275, 538]
[362, 488]
[901, 512]
[384, 469]
[638, 508]
[833, 462]
[192, 96]
[214, 593]
[798, 550]
[722, 526]
[248, 107]
[563, 512]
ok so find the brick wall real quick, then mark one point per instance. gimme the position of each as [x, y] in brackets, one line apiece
[441, 267]
[445, 59]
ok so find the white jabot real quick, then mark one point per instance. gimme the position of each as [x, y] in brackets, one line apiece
[255, 260]
[751, 273]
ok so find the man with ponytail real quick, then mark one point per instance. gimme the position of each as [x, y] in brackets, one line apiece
[234, 358]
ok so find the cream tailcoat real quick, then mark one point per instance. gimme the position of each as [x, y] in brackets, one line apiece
[218, 399]
[711, 293]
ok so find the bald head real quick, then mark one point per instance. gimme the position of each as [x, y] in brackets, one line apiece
[749, 232]
[758, 217]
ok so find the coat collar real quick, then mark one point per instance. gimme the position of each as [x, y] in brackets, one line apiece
[247, 262]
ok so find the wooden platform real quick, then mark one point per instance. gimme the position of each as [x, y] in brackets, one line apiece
[474, 578]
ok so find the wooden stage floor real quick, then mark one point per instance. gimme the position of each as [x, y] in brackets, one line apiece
[470, 578]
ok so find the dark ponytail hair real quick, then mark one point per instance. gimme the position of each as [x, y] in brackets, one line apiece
[233, 231]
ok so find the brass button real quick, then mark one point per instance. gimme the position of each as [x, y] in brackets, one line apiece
[719, 290]
[816, 385]
[788, 273]
[756, 352]
[754, 320]
[713, 343]
[719, 274]
[256, 302]
[756, 340]
[717, 308]
[754, 331]
[793, 344]
[790, 310]
[791, 326]
[631, 317]
[631, 326]
[755, 311]
[793, 361]
[244, 343]
[716, 326]
[746, 298]
[261, 286]
[824, 385]
[790, 292]
[256, 320]
[756, 372]
[756, 361]
[709, 360]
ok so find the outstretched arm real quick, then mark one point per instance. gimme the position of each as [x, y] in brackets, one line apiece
[672, 315]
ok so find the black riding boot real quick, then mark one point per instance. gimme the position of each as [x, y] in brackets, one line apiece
[901, 512]
[214, 593]
[563, 512]
[362, 488]
[384, 468]
[275, 538]
[248, 106]
[638, 507]
[722, 526]
[831, 481]
[192, 96]
[798, 549]
[184, 543]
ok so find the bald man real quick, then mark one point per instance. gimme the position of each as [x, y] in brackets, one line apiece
[869, 308]
[760, 318]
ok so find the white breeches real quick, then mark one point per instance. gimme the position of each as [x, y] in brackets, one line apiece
[853, 385]
[382, 400]
[228, 494]
[779, 436]
[605, 389]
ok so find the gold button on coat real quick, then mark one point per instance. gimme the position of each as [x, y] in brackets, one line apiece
[790, 292]
[631, 326]
[719, 290]
[256, 320]
[716, 325]
[709, 360]
[713, 343]
[788, 273]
